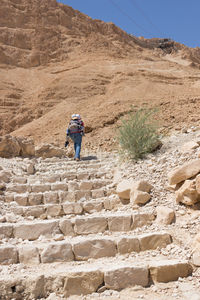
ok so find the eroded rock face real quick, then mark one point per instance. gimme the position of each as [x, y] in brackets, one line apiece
[48, 151]
[11, 147]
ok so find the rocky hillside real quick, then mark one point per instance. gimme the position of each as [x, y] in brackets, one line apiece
[56, 61]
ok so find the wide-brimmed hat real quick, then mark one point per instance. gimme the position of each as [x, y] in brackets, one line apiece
[75, 116]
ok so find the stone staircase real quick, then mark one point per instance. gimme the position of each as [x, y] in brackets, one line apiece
[63, 230]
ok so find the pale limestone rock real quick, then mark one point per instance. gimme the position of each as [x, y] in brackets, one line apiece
[59, 186]
[21, 199]
[50, 198]
[27, 147]
[72, 208]
[119, 223]
[35, 211]
[166, 271]
[124, 188]
[35, 198]
[165, 215]
[66, 227]
[19, 188]
[48, 151]
[57, 252]
[5, 176]
[154, 240]
[82, 283]
[54, 179]
[141, 219]
[40, 188]
[66, 196]
[54, 210]
[32, 231]
[197, 183]
[28, 254]
[142, 185]
[30, 169]
[82, 195]
[188, 147]
[90, 225]
[98, 194]
[95, 248]
[9, 197]
[6, 231]
[9, 146]
[11, 217]
[72, 186]
[35, 285]
[123, 277]
[184, 172]
[196, 258]
[20, 180]
[83, 176]
[128, 245]
[139, 197]
[93, 206]
[8, 255]
[187, 194]
[86, 185]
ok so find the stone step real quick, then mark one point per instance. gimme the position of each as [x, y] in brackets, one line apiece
[66, 279]
[45, 211]
[79, 225]
[81, 249]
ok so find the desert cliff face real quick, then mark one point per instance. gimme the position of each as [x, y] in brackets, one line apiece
[56, 61]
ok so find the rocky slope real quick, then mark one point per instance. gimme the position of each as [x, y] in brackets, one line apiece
[56, 61]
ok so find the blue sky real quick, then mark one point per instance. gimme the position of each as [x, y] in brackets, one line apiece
[175, 19]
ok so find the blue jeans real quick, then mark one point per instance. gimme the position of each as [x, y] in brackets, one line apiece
[77, 139]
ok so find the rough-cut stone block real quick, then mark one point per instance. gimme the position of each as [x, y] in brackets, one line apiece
[98, 194]
[9, 197]
[90, 225]
[82, 283]
[20, 180]
[20, 188]
[196, 258]
[59, 186]
[57, 252]
[66, 227]
[86, 185]
[72, 186]
[141, 185]
[83, 176]
[51, 179]
[123, 277]
[184, 172]
[50, 197]
[94, 249]
[66, 196]
[54, 210]
[21, 199]
[128, 245]
[28, 254]
[32, 231]
[8, 255]
[83, 195]
[72, 208]
[165, 271]
[165, 215]
[139, 197]
[35, 211]
[35, 198]
[139, 220]
[119, 223]
[93, 206]
[187, 194]
[40, 188]
[154, 240]
[5, 231]
[68, 176]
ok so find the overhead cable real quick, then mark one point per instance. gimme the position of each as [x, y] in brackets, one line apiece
[130, 18]
[133, 2]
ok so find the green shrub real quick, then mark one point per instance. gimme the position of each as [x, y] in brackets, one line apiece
[138, 134]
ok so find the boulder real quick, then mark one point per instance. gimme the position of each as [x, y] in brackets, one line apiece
[198, 184]
[11, 146]
[142, 185]
[48, 151]
[139, 197]
[184, 172]
[187, 194]
[28, 254]
[165, 215]
[124, 188]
